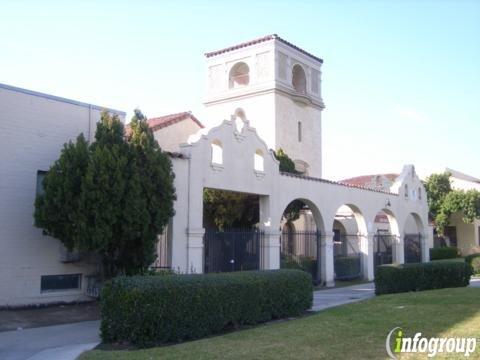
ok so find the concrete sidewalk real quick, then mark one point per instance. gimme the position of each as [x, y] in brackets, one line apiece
[324, 299]
[59, 342]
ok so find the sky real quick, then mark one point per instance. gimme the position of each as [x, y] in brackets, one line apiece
[400, 79]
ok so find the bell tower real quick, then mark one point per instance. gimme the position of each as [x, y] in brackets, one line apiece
[277, 87]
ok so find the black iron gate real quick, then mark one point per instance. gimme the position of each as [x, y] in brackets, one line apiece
[413, 248]
[382, 249]
[232, 250]
[299, 250]
[346, 256]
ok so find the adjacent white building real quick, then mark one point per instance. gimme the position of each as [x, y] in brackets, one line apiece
[35, 268]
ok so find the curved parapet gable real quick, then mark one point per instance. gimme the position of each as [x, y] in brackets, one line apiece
[232, 157]
[409, 186]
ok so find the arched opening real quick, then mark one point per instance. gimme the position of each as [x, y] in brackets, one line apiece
[413, 239]
[385, 237]
[217, 152]
[299, 80]
[239, 75]
[240, 119]
[348, 229]
[258, 160]
[232, 239]
[302, 228]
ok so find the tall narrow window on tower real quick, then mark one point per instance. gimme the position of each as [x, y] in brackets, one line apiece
[299, 131]
[239, 75]
[299, 81]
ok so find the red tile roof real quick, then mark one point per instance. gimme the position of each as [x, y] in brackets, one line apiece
[366, 180]
[167, 120]
[260, 40]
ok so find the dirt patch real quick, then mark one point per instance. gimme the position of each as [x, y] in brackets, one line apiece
[12, 319]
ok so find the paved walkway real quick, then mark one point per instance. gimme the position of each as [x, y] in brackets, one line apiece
[59, 342]
[324, 299]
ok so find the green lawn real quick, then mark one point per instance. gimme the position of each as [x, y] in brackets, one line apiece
[355, 331]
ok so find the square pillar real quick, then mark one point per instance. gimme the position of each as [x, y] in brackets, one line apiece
[426, 242]
[366, 253]
[270, 250]
[326, 260]
[398, 248]
[195, 251]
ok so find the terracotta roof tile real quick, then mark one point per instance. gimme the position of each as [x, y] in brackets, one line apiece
[366, 180]
[167, 120]
[260, 40]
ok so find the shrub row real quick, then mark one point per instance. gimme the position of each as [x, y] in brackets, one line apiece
[347, 267]
[445, 252]
[150, 310]
[423, 276]
[474, 261]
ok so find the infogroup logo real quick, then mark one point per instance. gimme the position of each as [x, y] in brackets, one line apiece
[430, 346]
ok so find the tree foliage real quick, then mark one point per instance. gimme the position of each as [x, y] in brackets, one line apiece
[228, 209]
[437, 187]
[286, 163]
[112, 197]
[444, 201]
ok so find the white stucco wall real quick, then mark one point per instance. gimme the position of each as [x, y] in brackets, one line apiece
[33, 129]
[324, 198]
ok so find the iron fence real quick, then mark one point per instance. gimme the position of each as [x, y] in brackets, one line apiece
[233, 250]
[413, 248]
[299, 250]
[346, 257]
[383, 249]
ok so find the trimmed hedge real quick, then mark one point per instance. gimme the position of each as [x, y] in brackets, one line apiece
[440, 274]
[347, 267]
[303, 263]
[150, 310]
[445, 252]
[474, 261]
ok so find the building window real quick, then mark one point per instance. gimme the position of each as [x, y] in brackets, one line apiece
[406, 191]
[40, 176]
[60, 282]
[217, 152]
[258, 160]
[419, 193]
[299, 81]
[239, 75]
[299, 130]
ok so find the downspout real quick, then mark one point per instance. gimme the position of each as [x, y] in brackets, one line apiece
[89, 122]
[188, 214]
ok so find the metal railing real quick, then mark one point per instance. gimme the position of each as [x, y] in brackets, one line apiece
[233, 250]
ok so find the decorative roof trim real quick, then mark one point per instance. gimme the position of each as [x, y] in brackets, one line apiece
[260, 40]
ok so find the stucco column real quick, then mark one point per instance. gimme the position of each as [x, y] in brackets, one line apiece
[426, 242]
[326, 261]
[195, 250]
[366, 253]
[398, 249]
[270, 250]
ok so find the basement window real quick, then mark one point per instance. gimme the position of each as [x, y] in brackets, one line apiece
[50, 283]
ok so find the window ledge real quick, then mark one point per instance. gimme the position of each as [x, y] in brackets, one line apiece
[217, 167]
[259, 174]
